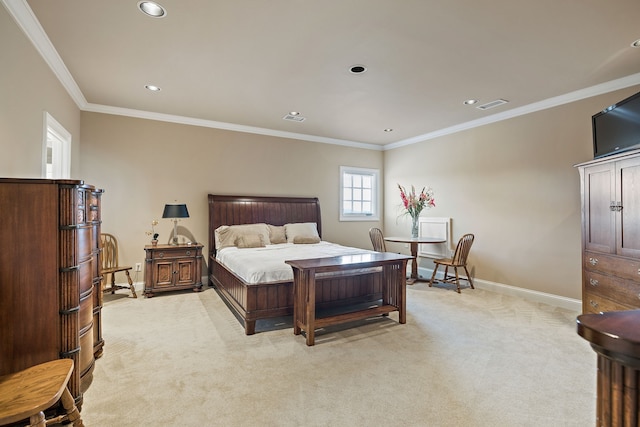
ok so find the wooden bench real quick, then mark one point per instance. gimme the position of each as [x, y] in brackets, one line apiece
[394, 268]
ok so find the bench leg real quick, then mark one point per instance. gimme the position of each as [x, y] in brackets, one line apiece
[310, 290]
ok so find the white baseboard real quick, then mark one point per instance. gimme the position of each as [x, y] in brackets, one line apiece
[528, 294]
[501, 288]
[139, 286]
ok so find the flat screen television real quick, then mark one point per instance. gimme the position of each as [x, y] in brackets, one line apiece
[617, 128]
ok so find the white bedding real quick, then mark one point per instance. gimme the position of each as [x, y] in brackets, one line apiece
[266, 264]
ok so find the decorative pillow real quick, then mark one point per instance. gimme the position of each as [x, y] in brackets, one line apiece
[218, 233]
[305, 239]
[301, 229]
[250, 241]
[276, 234]
[226, 235]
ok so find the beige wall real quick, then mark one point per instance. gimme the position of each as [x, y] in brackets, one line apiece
[28, 88]
[513, 185]
[143, 164]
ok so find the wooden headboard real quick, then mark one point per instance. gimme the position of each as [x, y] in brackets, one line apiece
[233, 210]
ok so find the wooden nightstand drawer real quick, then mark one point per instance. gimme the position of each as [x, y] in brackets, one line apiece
[168, 251]
[626, 268]
[612, 287]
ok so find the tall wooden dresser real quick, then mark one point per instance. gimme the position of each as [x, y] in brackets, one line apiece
[50, 276]
[610, 189]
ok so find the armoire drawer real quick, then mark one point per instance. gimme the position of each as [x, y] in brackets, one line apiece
[627, 292]
[626, 268]
[594, 303]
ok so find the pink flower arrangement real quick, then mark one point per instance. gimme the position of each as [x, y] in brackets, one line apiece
[414, 203]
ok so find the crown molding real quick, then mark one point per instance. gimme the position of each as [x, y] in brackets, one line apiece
[106, 109]
[577, 95]
[26, 20]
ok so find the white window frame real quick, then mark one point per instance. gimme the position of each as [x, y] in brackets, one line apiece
[59, 139]
[374, 215]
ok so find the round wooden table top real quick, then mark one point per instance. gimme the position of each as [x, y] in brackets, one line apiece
[617, 331]
[420, 239]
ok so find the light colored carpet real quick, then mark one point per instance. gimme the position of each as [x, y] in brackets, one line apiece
[475, 359]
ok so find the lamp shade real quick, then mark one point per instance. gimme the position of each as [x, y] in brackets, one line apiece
[175, 211]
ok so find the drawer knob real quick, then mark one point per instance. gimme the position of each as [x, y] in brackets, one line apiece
[593, 282]
[593, 261]
[161, 255]
[188, 253]
[593, 303]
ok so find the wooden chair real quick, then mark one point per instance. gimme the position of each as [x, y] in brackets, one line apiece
[28, 393]
[377, 239]
[110, 264]
[459, 259]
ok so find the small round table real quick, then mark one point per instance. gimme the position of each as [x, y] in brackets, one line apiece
[615, 337]
[414, 242]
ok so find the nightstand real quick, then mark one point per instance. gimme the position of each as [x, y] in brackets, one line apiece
[172, 268]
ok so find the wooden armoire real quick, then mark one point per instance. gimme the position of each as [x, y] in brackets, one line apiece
[610, 189]
[50, 297]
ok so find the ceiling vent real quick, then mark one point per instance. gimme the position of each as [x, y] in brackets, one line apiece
[294, 118]
[492, 104]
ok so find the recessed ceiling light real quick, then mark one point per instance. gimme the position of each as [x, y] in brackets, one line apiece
[358, 69]
[294, 113]
[470, 101]
[152, 9]
[152, 88]
[388, 130]
[636, 43]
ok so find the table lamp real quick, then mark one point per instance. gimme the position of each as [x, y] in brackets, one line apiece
[175, 211]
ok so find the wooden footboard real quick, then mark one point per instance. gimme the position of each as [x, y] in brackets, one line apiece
[262, 301]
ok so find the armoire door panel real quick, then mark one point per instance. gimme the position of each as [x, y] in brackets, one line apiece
[628, 216]
[599, 216]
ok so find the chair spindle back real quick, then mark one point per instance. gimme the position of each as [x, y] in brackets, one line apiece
[462, 249]
[377, 240]
[109, 251]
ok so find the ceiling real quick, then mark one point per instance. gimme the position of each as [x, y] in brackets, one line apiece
[245, 64]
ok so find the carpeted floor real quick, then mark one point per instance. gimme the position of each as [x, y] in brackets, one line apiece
[475, 359]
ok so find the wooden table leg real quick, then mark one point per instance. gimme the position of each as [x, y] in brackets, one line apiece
[414, 264]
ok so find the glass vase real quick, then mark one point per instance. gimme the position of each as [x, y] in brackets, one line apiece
[414, 226]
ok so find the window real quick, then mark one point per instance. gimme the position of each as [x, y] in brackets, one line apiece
[56, 159]
[359, 194]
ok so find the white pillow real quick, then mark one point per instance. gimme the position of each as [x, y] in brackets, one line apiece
[227, 235]
[308, 230]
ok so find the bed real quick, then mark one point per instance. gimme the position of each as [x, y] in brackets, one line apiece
[254, 301]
